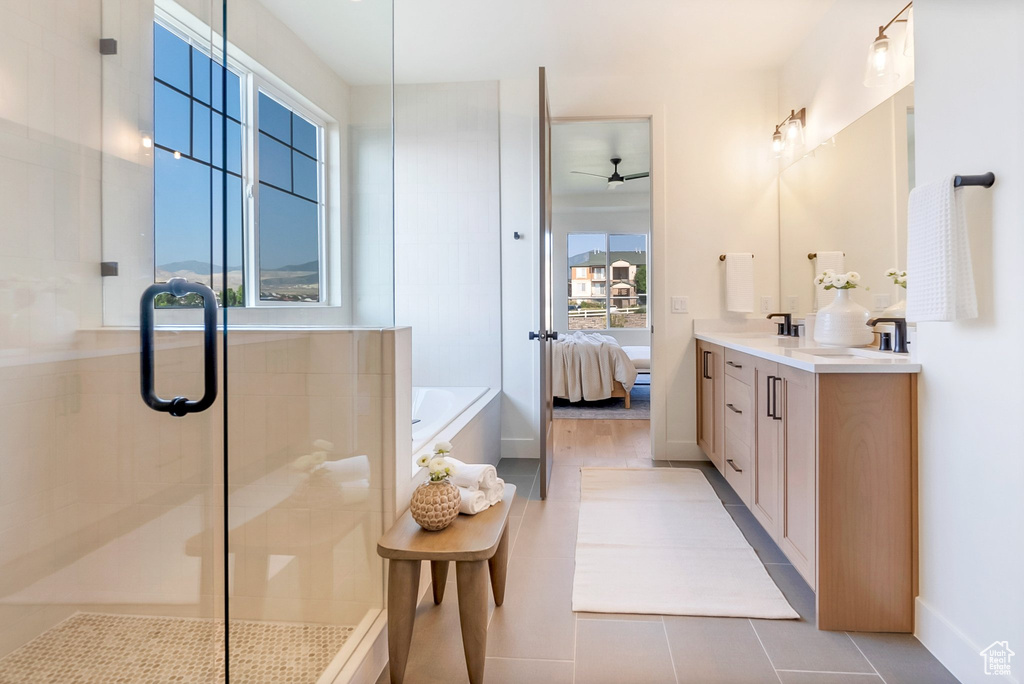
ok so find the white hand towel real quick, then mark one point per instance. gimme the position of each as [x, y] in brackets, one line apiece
[941, 279]
[739, 282]
[827, 261]
[473, 476]
[472, 501]
[497, 492]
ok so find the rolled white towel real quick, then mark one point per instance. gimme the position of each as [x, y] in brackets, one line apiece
[473, 476]
[496, 493]
[472, 501]
[349, 469]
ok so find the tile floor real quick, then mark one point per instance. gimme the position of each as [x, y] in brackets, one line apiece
[536, 637]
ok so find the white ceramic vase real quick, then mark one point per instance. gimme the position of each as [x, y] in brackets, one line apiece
[843, 323]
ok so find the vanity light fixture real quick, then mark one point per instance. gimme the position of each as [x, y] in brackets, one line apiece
[881, 66]
[788, 137]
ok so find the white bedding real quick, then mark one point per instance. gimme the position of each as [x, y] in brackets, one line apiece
[640, 356]
[585, 366]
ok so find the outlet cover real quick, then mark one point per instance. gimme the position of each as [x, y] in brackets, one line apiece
[882, 302]
[766, 304]
[792, 303]
[680, 305]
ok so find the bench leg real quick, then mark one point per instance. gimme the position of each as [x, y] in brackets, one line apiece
[438, 578]
[472, 583]
[403, 582]
[498, 566]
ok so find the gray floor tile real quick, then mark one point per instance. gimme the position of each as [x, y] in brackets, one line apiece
[717, 651]
[565, 483]
[582, 615]
[548, 530]
[902, 659]
[617, 651]
[799, 645]
[517, 466]
[536, 620]
[518, 671]
[828, 678]
[766, 548]
[794, 588]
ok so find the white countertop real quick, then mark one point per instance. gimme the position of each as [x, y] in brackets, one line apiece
[805, 354]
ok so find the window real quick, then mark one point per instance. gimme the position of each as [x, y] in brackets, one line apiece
[619, 304]
[275, 245]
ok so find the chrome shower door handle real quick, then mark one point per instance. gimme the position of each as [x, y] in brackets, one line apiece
[178, 406]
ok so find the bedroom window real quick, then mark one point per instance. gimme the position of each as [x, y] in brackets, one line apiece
[274, 170]
[620, 303]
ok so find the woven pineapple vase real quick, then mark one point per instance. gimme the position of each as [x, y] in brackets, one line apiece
[434, 505]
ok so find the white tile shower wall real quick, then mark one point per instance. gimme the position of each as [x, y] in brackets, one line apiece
[106, 505]
[447, 231]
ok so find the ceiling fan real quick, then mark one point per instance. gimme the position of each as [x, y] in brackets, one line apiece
[616, 179]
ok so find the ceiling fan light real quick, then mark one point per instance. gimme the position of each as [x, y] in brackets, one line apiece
[612, 184]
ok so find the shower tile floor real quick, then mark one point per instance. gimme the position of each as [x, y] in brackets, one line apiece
[95, 648]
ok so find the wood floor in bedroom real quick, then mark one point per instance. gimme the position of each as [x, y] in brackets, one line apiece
[536, 637]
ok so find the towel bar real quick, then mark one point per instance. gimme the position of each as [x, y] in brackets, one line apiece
[985, 180]
[721, 257]
[814, 255]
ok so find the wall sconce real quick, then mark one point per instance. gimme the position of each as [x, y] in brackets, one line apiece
[881, 66]
[146, 142]
[788, 137]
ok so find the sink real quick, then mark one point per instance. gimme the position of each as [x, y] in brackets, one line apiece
[848, 353]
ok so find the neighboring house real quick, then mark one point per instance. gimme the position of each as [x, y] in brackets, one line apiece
[588, 276]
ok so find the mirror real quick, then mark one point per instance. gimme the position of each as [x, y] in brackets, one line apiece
[849, 195]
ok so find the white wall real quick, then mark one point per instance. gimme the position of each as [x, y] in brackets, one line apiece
[447, 229]
[714, 191]
[970, 69]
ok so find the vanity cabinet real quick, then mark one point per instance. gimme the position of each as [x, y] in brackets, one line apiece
[711, 402]
[825, 462]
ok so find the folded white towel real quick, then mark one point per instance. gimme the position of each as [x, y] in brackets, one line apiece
[474, 501]
[739, 282]
[473, 476]
[827, 261]
[941, 286]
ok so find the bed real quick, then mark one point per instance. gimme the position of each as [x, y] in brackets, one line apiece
[591, 367]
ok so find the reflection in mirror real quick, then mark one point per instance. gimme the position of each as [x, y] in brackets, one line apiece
[849, 195]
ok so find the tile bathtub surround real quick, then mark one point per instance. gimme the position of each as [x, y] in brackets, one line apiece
[535, 631]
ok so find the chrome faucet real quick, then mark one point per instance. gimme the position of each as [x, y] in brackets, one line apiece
[899, 333]
[786, 327]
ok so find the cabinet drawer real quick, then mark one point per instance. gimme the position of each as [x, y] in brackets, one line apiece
[739, 469]
[739, 366]
[739, 408]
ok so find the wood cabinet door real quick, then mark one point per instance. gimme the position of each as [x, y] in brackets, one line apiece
[798, 522]
[709, 395]
[765, 498]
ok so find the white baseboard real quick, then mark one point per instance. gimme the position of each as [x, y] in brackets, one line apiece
[519, 448]
[954, 649]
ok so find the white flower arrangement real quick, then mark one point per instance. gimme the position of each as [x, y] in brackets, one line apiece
[898, 277]
[838, 281]
[439, 467]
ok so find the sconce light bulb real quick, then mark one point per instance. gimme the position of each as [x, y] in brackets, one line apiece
[147, 141]
[177, 154]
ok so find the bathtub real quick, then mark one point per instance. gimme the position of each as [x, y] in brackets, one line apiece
[468, 417]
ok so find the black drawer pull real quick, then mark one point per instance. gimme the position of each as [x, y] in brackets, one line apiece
[733, 465]
[734, 365]
[733, 408]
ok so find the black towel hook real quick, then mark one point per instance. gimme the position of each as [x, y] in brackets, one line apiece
[985, 180]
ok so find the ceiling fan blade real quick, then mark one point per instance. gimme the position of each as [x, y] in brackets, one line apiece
[633, 176]
[595, 175]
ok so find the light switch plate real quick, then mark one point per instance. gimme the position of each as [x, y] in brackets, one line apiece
[882, 302]
[792, 303]
[680, 305]
[766, 304]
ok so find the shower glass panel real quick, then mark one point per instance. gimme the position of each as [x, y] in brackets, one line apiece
[130, 154]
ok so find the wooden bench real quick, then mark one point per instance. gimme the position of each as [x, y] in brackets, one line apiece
[479, 546]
